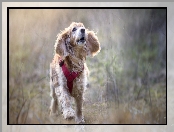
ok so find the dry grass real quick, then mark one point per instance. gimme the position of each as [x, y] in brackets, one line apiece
[36, 111]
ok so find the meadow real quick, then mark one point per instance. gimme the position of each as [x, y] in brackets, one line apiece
[127, 82]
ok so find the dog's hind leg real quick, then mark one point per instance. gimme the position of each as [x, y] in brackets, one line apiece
[53, 84]
[54, 103]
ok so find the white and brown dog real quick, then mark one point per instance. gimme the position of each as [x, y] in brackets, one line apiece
[68, 70]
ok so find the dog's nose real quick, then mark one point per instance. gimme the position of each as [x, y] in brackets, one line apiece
[83, 30]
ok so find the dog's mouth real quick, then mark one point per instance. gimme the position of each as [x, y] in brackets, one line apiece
[82, 40]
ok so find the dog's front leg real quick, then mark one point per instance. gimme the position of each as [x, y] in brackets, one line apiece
[65, 102]
[79, 116]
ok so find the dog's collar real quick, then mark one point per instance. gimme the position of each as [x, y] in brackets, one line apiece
[70, 75]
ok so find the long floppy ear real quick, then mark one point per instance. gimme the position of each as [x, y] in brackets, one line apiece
[93, 43]
[62, 40]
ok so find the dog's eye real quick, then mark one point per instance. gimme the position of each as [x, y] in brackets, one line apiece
[74, 29]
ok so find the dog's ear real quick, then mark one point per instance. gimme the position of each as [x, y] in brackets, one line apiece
[92, 43]
[61, 43]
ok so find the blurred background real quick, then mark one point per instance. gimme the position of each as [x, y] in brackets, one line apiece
[127, 82]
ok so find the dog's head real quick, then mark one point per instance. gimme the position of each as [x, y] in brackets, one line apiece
[74, 38]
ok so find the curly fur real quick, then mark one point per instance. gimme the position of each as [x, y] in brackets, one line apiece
[72, 45]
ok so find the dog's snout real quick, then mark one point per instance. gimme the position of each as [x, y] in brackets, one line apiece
[83, 30]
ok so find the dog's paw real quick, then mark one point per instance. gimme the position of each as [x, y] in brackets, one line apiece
[79, 120]
[69, 113]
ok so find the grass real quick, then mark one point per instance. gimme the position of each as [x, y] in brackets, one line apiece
[34, 109]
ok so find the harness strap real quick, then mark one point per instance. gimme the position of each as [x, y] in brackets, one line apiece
[70, 76]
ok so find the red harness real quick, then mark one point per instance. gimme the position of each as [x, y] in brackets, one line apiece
[70, 76]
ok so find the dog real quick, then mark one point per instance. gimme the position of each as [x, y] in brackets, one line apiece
[68, 70]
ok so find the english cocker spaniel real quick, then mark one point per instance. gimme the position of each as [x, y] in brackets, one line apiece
[68, 70]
